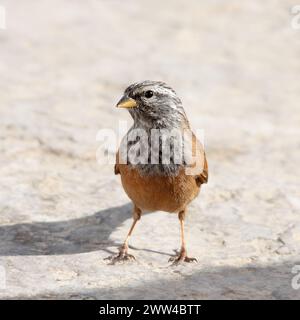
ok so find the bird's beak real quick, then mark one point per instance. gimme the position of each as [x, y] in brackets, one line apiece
[126, 102]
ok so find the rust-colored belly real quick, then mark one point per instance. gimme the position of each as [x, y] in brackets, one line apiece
[171, 194]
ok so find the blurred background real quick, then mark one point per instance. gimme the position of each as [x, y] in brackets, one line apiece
[64, 65]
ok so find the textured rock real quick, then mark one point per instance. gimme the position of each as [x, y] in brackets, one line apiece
[63, 66]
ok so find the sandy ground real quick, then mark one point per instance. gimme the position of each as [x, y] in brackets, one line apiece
[64, 65]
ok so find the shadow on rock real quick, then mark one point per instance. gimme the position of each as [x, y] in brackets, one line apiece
[86, 234]
[247, 282]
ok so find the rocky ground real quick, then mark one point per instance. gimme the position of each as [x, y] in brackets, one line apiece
[64, 65]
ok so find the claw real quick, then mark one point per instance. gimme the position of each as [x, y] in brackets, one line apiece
[122, 256]
[181, 258]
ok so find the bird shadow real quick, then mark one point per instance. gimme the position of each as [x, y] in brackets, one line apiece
[80, 235]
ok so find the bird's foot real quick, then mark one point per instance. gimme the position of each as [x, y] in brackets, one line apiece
[122, 256]
[181, 257]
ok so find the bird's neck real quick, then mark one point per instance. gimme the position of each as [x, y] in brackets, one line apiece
[168, 123]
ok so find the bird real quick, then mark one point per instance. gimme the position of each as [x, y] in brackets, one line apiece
[150, 181]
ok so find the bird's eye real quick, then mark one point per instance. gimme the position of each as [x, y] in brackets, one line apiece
[149, 94]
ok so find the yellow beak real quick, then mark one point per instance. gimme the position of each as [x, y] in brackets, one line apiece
[127, 102]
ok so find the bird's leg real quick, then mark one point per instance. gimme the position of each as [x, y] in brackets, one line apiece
[123, 250]
[182, 256]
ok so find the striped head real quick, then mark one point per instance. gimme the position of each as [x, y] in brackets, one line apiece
[153, 104]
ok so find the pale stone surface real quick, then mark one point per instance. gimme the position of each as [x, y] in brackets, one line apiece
[63, 66]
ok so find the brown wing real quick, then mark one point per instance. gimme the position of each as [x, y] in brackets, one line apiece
[202, 176]
[117, 169]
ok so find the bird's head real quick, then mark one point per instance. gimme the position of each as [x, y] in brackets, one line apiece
[153, 104]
